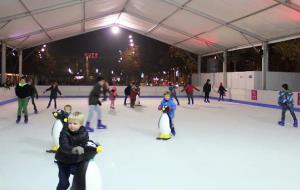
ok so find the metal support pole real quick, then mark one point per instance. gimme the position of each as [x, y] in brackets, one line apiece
[265, 65]
[199, 69]
[20, 62]
[225, 55]
[3, 63]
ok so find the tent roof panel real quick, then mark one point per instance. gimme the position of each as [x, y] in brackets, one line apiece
[190, 23]
[19, 27]
[66, 31]
[102, 22]
[168, 35]
[60, 16]
[221, 24]
[37, 4]
[95, 8]
[270, 25]
[134, 22]
[228, 10]
[226, 37]
[154, 9]
[10, 7]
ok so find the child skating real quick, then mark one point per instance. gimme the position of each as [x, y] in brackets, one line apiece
[166, 124]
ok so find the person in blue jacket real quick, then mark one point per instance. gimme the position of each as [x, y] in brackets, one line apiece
[285, 100]
[167, 105]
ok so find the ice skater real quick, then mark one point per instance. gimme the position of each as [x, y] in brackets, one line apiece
[94, 104]
[112, 97]
[206, 90]
[285, 100]
[168, 106]
[189, 89]
[33, 94]
[138, 95]
[54, 90]
[127, 93]
[69, 155]
[133, 93]
[172, 89]
[23, 93]
[221, 92]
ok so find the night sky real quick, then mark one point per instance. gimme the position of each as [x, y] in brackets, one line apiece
[107, 45]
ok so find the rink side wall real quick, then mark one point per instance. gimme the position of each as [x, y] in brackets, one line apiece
[265, 98]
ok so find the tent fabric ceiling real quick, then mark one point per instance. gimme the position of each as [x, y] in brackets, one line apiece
[198, 26]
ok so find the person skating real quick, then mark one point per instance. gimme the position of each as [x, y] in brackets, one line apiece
[206, 90]
[133, 93]
[169, 107]
[34, 94]
[189, 89]
[112, 97]
[221, 92]
[69, 155]
[54, 90]
[285, 100]
[127, 93]
[172, 89]
[23, 93]
[94, 104]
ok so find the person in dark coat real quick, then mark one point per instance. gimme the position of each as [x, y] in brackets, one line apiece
[53, 93]
[94, 104]
[221, 92]
[22, 91]
[127, 93]
[34, 94]
[206, 90]
[72, 141]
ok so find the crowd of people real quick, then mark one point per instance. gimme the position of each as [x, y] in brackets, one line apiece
[74, 135]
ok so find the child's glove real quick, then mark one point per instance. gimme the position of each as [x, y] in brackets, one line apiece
[165, 109]
[77, 150]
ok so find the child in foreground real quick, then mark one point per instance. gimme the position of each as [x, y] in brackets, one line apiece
[72, 140]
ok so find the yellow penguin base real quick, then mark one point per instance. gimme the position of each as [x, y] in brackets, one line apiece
[164, 137]
[54, 148]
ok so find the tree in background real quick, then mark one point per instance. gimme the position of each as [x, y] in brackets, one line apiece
[131, 63]
[285, 56]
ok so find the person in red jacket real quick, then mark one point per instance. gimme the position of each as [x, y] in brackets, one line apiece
[189, 89]
[133, 93]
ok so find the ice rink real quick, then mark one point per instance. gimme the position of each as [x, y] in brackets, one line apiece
[219, 146]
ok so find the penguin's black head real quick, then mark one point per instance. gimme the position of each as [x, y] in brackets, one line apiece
[61, 115]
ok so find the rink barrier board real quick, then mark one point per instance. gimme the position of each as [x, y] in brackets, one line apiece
[214, 98]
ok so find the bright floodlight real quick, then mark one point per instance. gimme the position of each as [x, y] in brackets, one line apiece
[43, 49]
[44, 45]
[115, 29]
[131, 44]
[131, 40]
[130, 36]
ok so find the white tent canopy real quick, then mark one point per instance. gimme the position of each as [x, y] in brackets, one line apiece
[199, 26]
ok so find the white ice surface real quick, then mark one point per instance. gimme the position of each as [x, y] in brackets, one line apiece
[219, 146]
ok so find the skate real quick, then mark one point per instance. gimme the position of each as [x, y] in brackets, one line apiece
[18, 119]
[295, 123]
[88, 128]
[100, 125]
[26, 119]
[281, 123]
[173, 131]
